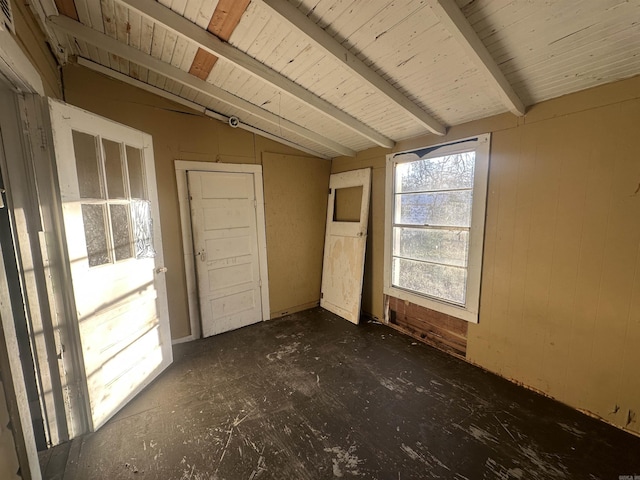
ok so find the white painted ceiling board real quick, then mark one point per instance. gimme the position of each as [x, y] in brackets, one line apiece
[94, 10]
[544, 49]
[325, 13]
[548, 52]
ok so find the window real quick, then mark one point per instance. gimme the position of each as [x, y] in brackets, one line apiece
[116, 213]
[435, 208]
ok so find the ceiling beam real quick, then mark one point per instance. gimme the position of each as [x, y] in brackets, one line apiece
[205, 40]
[459, 27]
[115, 47]
[331, 46]
[189, 104]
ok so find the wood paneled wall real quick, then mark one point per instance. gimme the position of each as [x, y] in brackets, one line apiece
[295, 194]
[560, 298]
[181, 134]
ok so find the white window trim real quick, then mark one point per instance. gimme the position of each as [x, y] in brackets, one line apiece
[470, 311]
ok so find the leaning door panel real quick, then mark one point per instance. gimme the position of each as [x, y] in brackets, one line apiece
[345, 243]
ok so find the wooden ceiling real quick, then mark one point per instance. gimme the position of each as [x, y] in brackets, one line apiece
[335, 77]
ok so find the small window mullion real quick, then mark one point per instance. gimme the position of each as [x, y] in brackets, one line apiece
[103, 175]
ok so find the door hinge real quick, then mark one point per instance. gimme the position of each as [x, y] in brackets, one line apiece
[321, 295]
[260, 283]
[329, 191]
[2, 191]
[255, 204]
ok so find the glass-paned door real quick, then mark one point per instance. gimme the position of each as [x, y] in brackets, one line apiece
[112, 232]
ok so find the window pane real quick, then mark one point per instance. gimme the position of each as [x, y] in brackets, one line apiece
[113, 168]
[447, 209]
[441, 173]
[142, 228]
[136, 173]
[347, 204]
[95, 232]
[447, 283]
[121, 231]
[439, 246]
[87, 167]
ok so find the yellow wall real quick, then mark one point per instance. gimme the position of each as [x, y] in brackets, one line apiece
[31, 40]
[560, 301]
[295, 191]
[181, 134]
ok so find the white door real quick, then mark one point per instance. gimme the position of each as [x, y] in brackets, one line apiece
[345, 243]
[112, 230]
[225, 239]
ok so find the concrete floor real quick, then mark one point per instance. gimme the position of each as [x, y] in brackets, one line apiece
[311, 396]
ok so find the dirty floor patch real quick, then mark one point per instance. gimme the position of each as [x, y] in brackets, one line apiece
[311, 396]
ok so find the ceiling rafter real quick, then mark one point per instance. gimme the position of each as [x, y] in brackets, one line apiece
[331, 46]
[115, 47]
[172, 21]
[459, 27]
[188, 103]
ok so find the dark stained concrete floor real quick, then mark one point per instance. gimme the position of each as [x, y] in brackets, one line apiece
[311, 396]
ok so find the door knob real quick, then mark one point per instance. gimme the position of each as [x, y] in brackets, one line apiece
[161, 270]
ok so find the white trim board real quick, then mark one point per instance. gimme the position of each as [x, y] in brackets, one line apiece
[16, 67]
[182, 167]
[11, 147]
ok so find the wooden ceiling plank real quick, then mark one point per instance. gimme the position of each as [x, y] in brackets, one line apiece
[68, 8]
[172, 21]
[457, 24]
[202, 64]
[82, 9]
[117, 48]
[226, 17]
[224, 20]
[322, 39]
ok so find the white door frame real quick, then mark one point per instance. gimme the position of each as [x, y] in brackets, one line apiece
[25, 449]
[18, 75]
[182, 167]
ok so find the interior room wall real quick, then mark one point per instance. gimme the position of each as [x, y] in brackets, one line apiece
[295, 210]
[182, 134]
[560, 300]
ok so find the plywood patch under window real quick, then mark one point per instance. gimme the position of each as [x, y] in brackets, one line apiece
[434, 328]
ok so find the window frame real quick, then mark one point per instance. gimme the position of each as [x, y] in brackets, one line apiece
[106, 202]
[470, 310]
